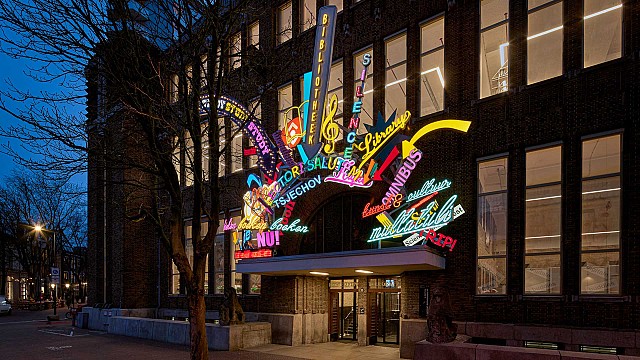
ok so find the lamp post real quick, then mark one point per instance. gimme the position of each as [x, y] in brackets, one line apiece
[39, 229]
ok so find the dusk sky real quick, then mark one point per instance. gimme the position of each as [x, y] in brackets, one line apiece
[14, 70]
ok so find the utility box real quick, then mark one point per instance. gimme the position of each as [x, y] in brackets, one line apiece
[82, 321]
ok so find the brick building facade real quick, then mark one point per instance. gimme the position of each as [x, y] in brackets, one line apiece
[567, 110]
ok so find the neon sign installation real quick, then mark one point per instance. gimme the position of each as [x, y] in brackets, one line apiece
[385, 131]
[229, 225]
[248, 254]
[292, 194]
[228, 106]
[402, 175]
[280, 225]
[322, 55]
[357, 108]
[268, 239]
[376, 209]
[349, 175]
[406, 223]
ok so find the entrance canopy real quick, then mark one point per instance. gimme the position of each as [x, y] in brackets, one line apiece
[386, 261]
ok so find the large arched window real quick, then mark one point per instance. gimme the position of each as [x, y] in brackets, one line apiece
[338, 225]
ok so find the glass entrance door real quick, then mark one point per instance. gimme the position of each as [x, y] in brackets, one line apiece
[343, 316]
[386, 313]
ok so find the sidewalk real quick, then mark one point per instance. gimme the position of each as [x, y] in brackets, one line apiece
[331, 350]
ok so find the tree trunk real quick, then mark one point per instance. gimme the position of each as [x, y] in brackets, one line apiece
[198, 330]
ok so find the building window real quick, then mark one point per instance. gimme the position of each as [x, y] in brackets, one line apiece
[188, 248]
[366, 116]
[204, 131]
[395, 88]
[236, 148]
[307, 14]
[173, 91]
[235, 49]
[285, 101]
[218, 258]
[544, 40]
[336, 3]
[256, 108]
[601, 214]
[189, 153]
[492, 227]
[543, 221]
[204, 73]
[254, 34]
[494, 47]
[284, 23]
[432, 67]
[175, 157]
[602, 31]
[223, 141]
[335, 87]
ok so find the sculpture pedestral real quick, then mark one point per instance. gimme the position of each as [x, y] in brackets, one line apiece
[230, 310]
[440, 326]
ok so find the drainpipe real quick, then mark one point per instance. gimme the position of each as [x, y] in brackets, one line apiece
[104, 233]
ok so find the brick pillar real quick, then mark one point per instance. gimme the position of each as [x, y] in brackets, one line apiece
[363, 310]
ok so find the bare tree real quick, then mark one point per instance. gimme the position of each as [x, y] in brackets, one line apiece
[28, 199]
[148, 71]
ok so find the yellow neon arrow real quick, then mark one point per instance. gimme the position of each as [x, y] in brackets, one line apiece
[460, 125]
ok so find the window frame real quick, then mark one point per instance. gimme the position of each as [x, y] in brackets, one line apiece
[620, 174]
[280, 36]
[560, 252]
[302, 25]
[622, 38]
[548, 4]
[482, 30]
[504, 155]
[398, 34]
[422, 24]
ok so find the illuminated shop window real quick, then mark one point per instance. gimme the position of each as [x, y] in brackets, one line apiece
[284, 27]
[223, 141]
[235, 49]
[544, 40]
[285, 101]
[236, 148]
[494, 47]
[601, 214]
[395, 88]
[366, 116]
[336, 3]
[256, 108]
[254, 34]
[218, 258]
[174, 289]
[543, 221]
[492, 227]
[602, 31]
[432, 67]
[307, 14]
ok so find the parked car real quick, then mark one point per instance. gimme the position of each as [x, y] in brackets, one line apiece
[5, 307]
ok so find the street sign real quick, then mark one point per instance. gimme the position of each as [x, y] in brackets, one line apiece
[55, 275]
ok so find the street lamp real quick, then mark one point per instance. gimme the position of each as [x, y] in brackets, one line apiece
[39, 229]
